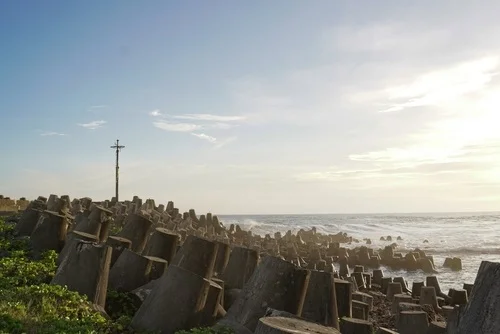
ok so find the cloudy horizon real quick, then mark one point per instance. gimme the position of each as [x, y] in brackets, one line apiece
[255, 108]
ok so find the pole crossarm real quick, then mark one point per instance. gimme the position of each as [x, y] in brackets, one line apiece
[118, 148]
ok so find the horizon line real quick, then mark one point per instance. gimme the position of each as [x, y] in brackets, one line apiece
[363, 213]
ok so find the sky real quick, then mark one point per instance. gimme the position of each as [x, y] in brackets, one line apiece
[254, 107]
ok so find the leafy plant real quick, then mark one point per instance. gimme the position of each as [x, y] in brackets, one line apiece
[120, 304]
[29, 304]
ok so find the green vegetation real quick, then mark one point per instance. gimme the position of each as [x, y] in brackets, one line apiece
[28, 304]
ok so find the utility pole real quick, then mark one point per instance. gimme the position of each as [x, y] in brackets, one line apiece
[118, 148]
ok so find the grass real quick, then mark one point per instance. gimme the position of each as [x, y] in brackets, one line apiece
[29, 304]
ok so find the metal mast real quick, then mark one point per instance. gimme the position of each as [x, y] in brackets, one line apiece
[118, 148]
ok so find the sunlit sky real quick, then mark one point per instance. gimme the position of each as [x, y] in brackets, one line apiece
[283, 106]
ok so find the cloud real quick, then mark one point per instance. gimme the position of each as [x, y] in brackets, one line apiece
[202, 120]
[52, 133]
[336, 174]
[209, 117]
[176, 127]
[221, 143]
[218, 143]
[155, 113]
[445, 85]
[199, 122]
[205, 137]
[222, 126]
[471, 126]
[93, 125]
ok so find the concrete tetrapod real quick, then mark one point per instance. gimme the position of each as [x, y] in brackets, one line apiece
[437, 327]
[197, 255]
[363, 297]
[158, 267]
[240, 267]
[142, 292]
[52, 202]
[415, 289]
[136, 229]
[394, 288]
[428, 296]
[223, 286]
[480, 314]
[208, 315]
[118, 244]
[383, 330]
[27, 222]
[413, 322]
[133, 270]
[360, 310]
[223, 254]
[404, 284]
[358, 269]
[459, 297]
[399, 298]
[433, 281]
[353, 282]
[407, 307]
[96, 222]
[385, 284]
[173, 303]
[72, 238]
[162, 244]
[344, 268]
[320, 304]
[283, 325]
[368, 280]
[270, 312]
[49, 233]
[343, 294]
[378, 274]
[275, 283]
[360, 279]
[355, 326]
[468, 287]
[230, 296]
[85, 269]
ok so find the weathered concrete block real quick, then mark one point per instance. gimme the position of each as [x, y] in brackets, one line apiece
[275, 283]
[173, 303]
[85, 270]
[281, 325]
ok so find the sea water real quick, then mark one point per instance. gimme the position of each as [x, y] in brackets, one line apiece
[473, 237]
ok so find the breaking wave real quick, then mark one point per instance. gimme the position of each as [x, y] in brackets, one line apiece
[457, 251]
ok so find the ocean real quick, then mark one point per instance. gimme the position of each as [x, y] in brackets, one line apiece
[473, 237]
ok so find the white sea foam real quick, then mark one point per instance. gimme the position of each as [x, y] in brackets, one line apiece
[472, 237]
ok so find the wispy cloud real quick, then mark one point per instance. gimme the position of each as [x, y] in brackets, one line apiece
[218, 143]
[52, 133]
[92, 125]
[198, 122]
[445, 85]
[336, 174]
[155, 113]
[204, 120]
[191, 128]
[209, 117]
[176, 127]
[221, 143]
[205, 137]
